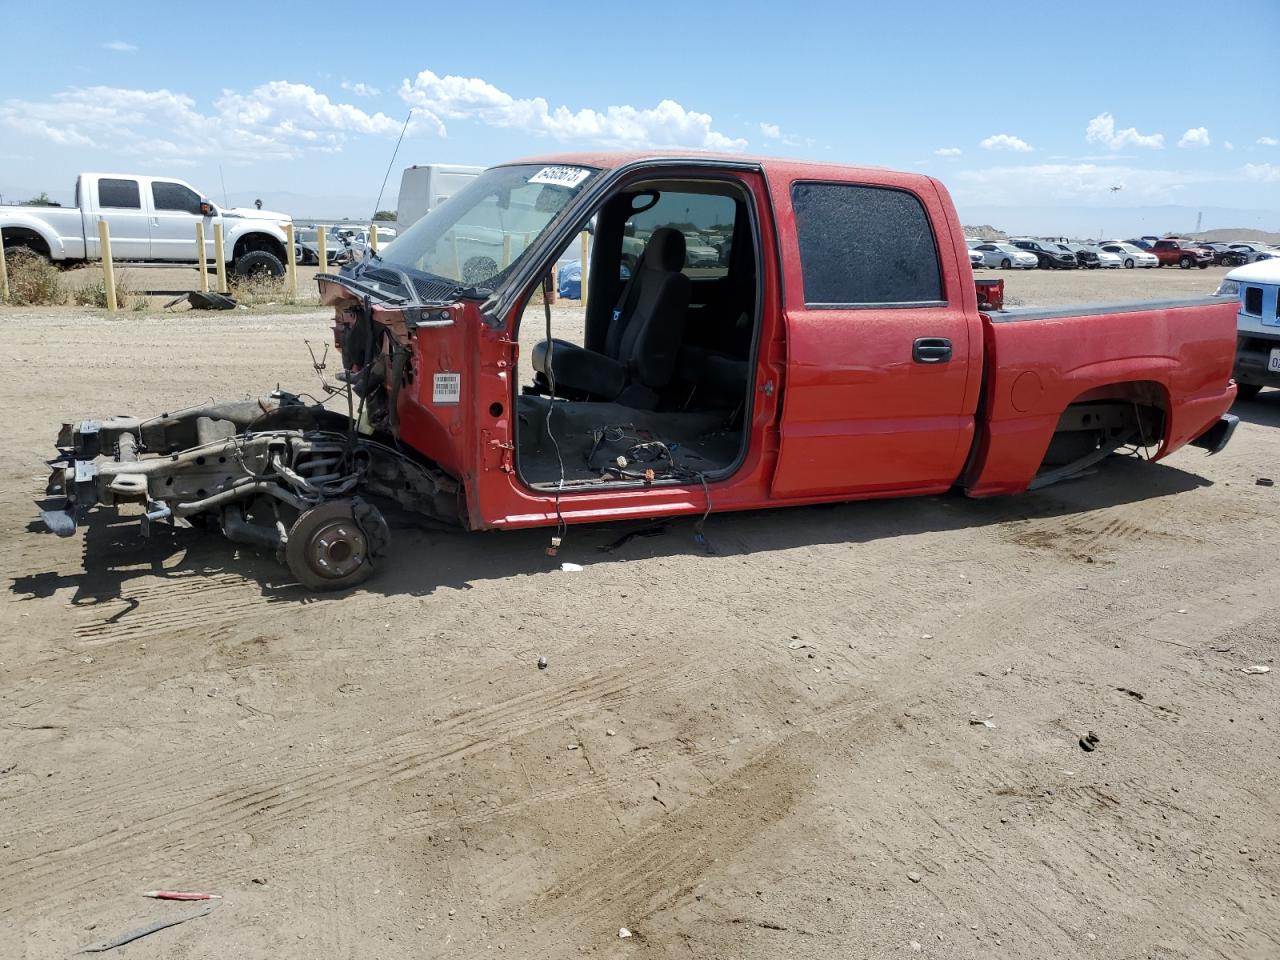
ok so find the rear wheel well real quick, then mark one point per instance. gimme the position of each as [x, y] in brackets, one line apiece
[1101, 421]
[25, 237]
[258, 241]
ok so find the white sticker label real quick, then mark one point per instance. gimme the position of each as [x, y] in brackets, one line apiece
[561, 176]
[446, 388]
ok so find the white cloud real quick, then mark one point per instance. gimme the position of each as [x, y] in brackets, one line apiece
[948, 152]
[276, 120]
[771, 131]
[1005, 141]
[1195, 137]
[436, 99]
[1228, 145]
[1102, 129]
[1268, 142]
[361, 89]
[119, 46]
[1262, 172]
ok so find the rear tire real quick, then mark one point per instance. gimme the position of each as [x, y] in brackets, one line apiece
[1128, 263]
[258, 263]
[1185, 263]
[1005, 264]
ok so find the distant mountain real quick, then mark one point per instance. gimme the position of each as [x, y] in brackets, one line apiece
[1238, 233]
[1105, 223]
[985, 232]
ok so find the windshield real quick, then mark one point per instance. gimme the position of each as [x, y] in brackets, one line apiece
[1008, 248]
[477, 235]
[306, 236]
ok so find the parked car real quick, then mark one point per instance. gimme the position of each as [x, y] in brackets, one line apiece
[976, 259]
[1185, 253]
[1130, 255]
[1006, 256]
[699, 253]
[1253, 252]
[1224, 255]
[853, 377]
[306, 245]
[151, 219]
[1256, 287]
[1103, 259]
[1049, 254]
[1086, 256]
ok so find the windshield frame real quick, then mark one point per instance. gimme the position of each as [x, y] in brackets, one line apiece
[423, 237]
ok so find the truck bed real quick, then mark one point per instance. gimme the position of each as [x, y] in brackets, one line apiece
[1177, 354]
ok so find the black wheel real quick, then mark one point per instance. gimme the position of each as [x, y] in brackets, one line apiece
[259, 263]
[1247, 391]
[1203, 266]
[333, 546]
[1005, 264]
[1128, 263]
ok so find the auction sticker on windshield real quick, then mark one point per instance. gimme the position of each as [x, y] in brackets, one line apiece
[561, 176]
[446, 388]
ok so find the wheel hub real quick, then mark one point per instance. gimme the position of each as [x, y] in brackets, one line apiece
[336, 549]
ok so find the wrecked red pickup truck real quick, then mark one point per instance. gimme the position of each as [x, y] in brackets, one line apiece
[834, 348]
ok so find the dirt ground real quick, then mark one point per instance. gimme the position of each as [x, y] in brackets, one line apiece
[774, 750]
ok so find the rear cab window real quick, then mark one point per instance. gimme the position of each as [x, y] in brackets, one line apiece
[119, 194]
[865, 246]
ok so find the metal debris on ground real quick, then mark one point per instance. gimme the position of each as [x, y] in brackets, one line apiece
[1265, 482]
[542, 663]
[180, 895]
[1257, 668]
[140, 932]
[1089, 742]
[979, 722]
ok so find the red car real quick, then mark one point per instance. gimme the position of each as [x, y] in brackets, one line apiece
[839, 353]
[1185, 253]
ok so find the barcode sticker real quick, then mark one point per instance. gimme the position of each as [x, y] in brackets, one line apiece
[561, 176]
[446, 388]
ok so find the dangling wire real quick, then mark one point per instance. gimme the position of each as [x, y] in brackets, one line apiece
[561, 526]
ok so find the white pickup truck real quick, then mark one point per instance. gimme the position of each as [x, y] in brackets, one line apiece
[152, 219]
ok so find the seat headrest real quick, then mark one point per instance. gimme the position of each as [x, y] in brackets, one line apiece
[665, 250]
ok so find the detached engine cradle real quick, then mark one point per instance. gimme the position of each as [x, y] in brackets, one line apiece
[275, 472]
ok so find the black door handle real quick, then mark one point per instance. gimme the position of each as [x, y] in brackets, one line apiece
[931, 350]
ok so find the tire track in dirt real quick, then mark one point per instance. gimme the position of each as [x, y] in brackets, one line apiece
[266, 806]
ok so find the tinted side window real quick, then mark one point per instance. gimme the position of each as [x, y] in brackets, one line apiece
[864, 245]
[174, 196]
[120, 194]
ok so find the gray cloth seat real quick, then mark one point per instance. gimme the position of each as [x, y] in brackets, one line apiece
[643, 339]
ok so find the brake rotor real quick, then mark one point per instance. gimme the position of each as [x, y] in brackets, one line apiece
[332, 546]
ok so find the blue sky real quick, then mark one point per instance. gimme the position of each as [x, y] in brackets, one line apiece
[1012, 104]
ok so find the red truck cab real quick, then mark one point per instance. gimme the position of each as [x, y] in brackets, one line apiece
[834, 349]
[1182, 253]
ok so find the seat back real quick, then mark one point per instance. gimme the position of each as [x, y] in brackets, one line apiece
[648, 326]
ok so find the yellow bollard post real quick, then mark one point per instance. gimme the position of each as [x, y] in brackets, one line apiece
[373, 237]
[108, 268]
[4, 276]
[323, 249]
[291, 263]
[202, 258]
[586, 249]
[220, 258]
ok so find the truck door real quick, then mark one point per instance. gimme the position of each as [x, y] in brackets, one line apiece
[175, 211]
[884, 341]
[119, 202]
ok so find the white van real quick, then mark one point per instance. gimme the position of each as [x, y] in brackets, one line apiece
[423, 187]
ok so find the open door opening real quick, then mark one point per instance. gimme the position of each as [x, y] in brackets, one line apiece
[652, 382]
